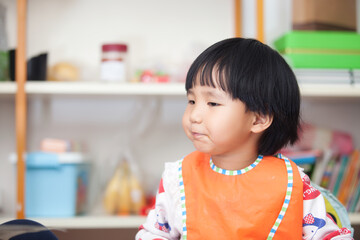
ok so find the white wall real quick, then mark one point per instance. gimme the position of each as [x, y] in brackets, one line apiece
[158, 32]
[168, 33]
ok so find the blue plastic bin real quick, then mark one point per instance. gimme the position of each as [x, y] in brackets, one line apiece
[56, 184]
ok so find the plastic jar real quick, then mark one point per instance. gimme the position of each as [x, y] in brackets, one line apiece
[113, 62]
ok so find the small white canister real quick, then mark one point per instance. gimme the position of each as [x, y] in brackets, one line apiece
[113, 62]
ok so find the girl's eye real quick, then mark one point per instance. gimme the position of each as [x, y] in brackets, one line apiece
[213, 104]
[192, 102]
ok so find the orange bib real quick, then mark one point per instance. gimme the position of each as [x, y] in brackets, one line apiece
[243, 206]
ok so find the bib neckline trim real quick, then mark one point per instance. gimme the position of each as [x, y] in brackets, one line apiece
[235, 172]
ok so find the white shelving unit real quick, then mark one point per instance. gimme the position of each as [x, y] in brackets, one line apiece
[98, 88]
[171, 89]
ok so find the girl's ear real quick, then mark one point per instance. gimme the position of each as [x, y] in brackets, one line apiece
[261, 122]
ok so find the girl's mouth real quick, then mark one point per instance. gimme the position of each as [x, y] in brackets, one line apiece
[197, 135]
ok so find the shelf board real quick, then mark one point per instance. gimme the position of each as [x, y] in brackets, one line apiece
[330, 90]
[80, 222]
[170, 89]
[95, 88]
[354, 218]
[105, 88]
[7, 88]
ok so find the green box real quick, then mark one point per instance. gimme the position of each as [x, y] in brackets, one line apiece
[320, 49]
[4, 66]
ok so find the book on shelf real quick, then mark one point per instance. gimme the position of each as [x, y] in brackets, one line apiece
[352, 207]
[328, 173]
[344, 162]
[341, 176]
[355, 195]
[335, 173]
[344, 191]
[321, 166]
[354, 181]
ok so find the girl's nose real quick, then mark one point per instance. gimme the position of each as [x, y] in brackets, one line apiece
[195, 115]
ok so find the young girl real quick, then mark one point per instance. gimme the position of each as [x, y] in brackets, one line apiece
[243, 107]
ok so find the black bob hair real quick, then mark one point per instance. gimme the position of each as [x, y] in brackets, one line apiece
[258, 76]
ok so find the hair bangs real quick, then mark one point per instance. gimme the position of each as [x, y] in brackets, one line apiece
[208, 71]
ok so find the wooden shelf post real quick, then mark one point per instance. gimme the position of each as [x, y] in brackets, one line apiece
[20, 107]
[260, 20]
[238, 17]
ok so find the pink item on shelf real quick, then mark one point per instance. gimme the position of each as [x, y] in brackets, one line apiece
[313, 137]
[55, 145]
[342, 143]
[147, 76]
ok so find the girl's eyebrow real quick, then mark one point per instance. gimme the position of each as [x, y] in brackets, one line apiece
[208, 93]
[214, 94]
[189, 92]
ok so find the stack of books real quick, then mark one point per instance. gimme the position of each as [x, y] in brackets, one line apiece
[331, 161]
[341, 175]
[323, 76]
[356, 75]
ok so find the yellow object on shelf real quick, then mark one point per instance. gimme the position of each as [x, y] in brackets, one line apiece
[137, 195]
[124, 194]
[63, 71]
[124, 202]
[111, 198]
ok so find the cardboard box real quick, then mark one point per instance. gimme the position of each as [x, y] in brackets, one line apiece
[324, 15]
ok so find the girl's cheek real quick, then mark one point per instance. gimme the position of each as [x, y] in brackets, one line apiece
[185, 120]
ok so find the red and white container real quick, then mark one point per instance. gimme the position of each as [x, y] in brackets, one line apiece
[113, 62]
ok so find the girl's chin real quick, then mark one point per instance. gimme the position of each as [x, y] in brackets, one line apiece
[203, 149]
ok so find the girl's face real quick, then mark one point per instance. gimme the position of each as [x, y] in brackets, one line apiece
[216, 123]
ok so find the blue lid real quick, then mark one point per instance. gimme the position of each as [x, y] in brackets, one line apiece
[304, 160]
[42, 159]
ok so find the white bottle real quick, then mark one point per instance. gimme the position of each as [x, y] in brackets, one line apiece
[113, 62]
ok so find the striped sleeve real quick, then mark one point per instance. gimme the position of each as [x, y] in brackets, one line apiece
[164, 220]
